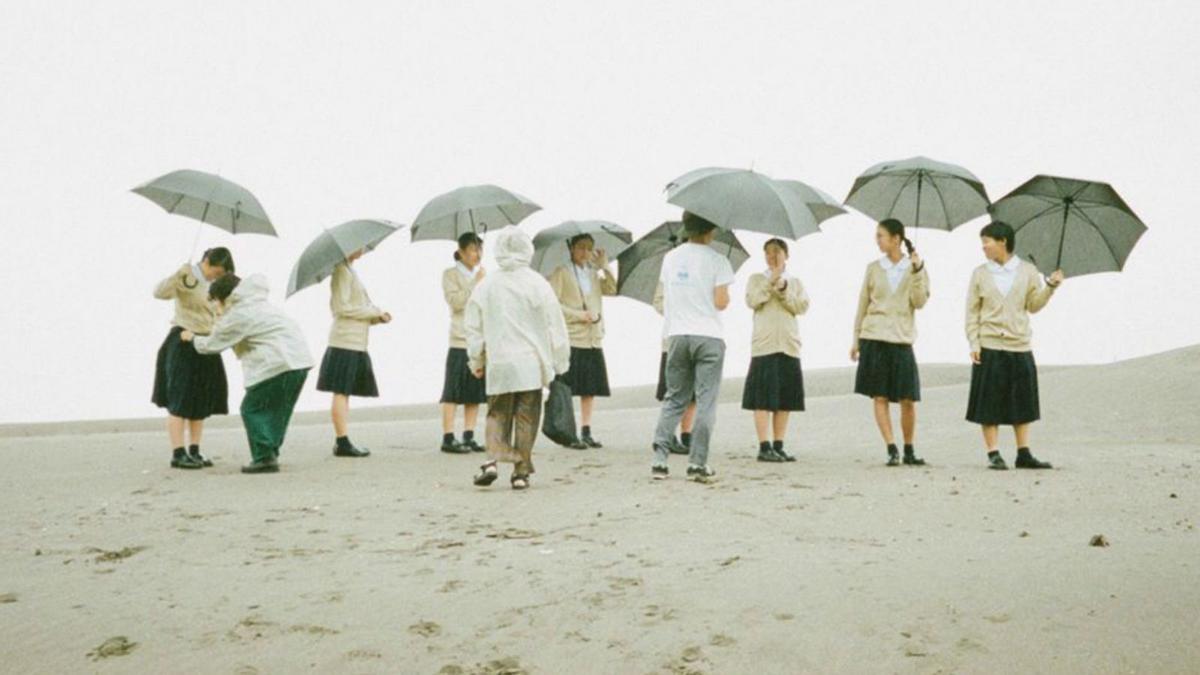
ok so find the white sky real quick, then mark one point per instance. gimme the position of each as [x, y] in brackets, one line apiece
[341, 110]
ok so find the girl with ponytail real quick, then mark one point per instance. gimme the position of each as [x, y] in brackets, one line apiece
[894, 287]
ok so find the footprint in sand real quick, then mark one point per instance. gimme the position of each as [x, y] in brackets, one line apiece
[451, 586]
[425, 629]
[6, 598]
[115, 556]
[721, 640]
[509, 665]
[363, 654]
[114, 646]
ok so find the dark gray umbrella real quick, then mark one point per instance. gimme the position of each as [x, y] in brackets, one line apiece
[550, 246]
[210, 199]
[640, 265]
[919, 192]
[1078, 226]
[333, 246]
[474, 208]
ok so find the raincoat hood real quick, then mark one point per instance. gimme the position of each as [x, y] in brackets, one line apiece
[253, 288]
[513, 249]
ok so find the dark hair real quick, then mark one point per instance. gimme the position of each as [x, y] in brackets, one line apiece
[777, 242]
[999, 230]
[223, 287]
[695, 226]
[896, 228]
[465, 240]
[219, 257]
[578, 238]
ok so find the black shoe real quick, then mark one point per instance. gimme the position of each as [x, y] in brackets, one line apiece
[997, 462]
[197, 457]
[591, 442]
[783, 453]
[182, 460]
[893, 456]
[766, 455]
[1025, 460]
[701, 474]
[455, 448]
[576, 445]
[351, 451]
[678, 448]
[659, 472]
[912, 460]
[472, 445]
[262, 466]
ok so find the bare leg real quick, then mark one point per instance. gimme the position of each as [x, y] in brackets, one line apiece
[175, 431]
[883, 419]
[689, 418]
[908, 419]
[780, 422]
[448, 417]
[991, 434]
[195, 431]
[762, 420]
[585, 410]
[470, 415]
[340, 412]
[1021, 431]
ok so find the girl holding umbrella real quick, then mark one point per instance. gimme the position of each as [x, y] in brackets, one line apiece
[346, 366]
[775, 384]
[894, 287]
[191, 386]
[461, 387]
[1002, 294]
[580, 286]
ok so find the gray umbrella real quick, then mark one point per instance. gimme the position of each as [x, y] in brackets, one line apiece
[209, 199]
[475, 208]
[919, 192]
[551, 245]
[822, 204]
[1078, 226]
[640, 265]
[740, 199]
[333, 246]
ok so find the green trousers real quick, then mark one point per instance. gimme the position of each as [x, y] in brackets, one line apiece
[267, 409]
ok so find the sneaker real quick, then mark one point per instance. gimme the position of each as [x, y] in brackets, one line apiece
[701, 474]
[455, 448]
[659, 472]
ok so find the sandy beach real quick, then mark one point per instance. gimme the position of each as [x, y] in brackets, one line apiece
[397, 564]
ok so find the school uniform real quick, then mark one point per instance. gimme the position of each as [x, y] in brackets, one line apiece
[188, 384]
[1000, 298]
[775, 380]
[275, 362]
[459, 385]
[580, 290]
[885, 329]
[346, 366]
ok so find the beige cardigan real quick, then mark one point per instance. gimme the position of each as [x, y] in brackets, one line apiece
[353, 313]
[583, 333]
[887, 315]
[457, 290]
[1001, 322]
[193, 312]
[775, 327]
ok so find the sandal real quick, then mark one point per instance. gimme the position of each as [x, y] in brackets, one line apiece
[488, 475]
[520, 481]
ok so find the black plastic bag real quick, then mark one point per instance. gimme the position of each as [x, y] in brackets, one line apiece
[558, 419]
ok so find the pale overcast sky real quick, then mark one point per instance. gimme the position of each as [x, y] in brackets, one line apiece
[333, 111]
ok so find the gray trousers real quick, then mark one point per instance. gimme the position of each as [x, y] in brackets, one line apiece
[694, 367]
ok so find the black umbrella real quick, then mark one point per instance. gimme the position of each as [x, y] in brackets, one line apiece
[1078, 226]
[639, 266]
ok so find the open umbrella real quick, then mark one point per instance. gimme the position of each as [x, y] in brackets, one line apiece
[551, 245]
[210, 199]
[741, 199]
[1078, 226]
[919, 192]
[640, 265]
[333, 246]
[475, 208]
[822, 204]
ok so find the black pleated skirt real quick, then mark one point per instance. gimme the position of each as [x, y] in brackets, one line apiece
[775, 382]
[588, 375]
[1004, 388]
[460, 385]
[187, 383]
[348, 372]
[887, 369]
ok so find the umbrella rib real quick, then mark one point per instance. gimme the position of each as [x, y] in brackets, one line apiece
[900, 192]
[941, 200]
[177, 203]
[1099, 232]
[1039, 214]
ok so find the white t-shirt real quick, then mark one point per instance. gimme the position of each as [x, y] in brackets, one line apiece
[689, 276]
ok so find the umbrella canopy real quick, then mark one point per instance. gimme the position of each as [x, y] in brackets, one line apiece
[210, 199]
[1078, 226]
[919, 192]
[822, 204]
[474, 208]
[740, 199]
[551, 245]
[333, 246]
[640, 265]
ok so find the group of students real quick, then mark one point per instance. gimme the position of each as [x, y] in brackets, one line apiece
[513, 332]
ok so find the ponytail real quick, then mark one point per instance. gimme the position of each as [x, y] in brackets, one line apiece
[908, 245]
[896, 229]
